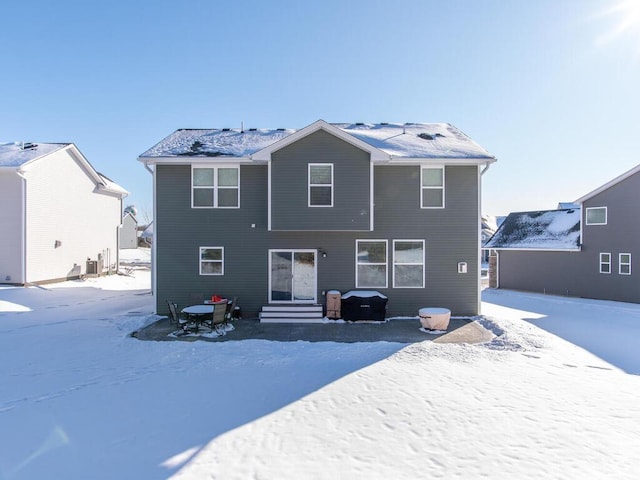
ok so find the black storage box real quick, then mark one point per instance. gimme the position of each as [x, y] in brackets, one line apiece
[363, 305]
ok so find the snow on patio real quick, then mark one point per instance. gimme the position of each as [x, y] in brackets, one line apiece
[79, 398]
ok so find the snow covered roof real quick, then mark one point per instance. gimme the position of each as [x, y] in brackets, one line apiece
[16, 154]
[417, 140]
[112, 186]
[393, 141]
[540, 230]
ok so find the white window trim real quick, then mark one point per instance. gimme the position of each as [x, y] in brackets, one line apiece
[422, 188]
[310, 185]
[200, 261]
[621, 263]
[414, 263]
[605, 263]
[315, 274]
[215, 187]
[386, 262]
[586, 216]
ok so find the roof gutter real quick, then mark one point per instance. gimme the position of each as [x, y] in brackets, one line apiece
[146, 165]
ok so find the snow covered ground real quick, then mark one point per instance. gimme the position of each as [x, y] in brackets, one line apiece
[555, 395]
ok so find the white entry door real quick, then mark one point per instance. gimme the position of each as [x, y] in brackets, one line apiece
[292, 276]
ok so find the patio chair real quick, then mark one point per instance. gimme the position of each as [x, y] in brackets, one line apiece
[230, 309]
[176, 318]
[218, 319]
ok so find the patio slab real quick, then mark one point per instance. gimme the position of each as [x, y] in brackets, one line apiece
[400, 330]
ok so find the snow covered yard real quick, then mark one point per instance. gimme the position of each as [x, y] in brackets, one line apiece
[79, 398]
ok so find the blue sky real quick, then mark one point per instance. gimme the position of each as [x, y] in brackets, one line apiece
[550, 87]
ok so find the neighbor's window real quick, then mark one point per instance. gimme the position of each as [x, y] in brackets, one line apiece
[605, 263]
[596, 216]
[624, 264]
[321, 185]
[408, 263]
[215, 187]
[371, 263]
[211, 261]
[432, 187]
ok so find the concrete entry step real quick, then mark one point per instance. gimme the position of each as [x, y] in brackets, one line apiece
[291, 314]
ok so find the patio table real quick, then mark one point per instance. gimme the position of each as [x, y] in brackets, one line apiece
[199, 313]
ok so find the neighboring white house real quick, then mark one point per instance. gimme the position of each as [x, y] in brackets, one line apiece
[129, 231]
[59, 217]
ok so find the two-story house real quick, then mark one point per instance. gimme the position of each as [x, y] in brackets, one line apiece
[281, 217]
[59, 218]
[585, 251]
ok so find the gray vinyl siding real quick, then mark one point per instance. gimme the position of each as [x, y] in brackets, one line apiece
[554, 273]
[450, 235]
[621, 234]
[11, 243]
[289, 185]
[181, 230]
[578, 273]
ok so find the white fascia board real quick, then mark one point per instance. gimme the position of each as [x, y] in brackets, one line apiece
[609, 184]
[442, 160]
[186, 160]
[264, 155]
[507, 249]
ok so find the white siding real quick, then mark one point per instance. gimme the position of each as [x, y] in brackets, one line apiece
[62, 206]
[129, 233]
[10, 227]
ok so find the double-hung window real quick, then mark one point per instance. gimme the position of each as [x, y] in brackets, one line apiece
[432, 187]
[211, 260]
[215, 187]
[596, 216]
[320, 185]
[371, 263]
[408, 263]
[605, 263]
[624, 264]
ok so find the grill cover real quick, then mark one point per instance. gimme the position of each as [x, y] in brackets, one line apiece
[364, 305]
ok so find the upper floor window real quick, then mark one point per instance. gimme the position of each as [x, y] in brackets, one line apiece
[321, 185]
[605, 263]
[624, 264]
[371, 263]
[211, 261]
[408, 263]
[596, 216]
[432, 187]
[215, 187]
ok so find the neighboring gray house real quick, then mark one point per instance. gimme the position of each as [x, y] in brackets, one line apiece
[592, 258]
[59, 217]
[280, 217]
[129, 232]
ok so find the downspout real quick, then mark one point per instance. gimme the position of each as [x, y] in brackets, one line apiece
[118, 229]
[154, 240]
[23, 229]
[482, 172]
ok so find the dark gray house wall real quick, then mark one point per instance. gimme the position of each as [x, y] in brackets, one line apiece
[621, 234]
[289, 185]
[578, 273]
[451, 235]
[554, 273]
